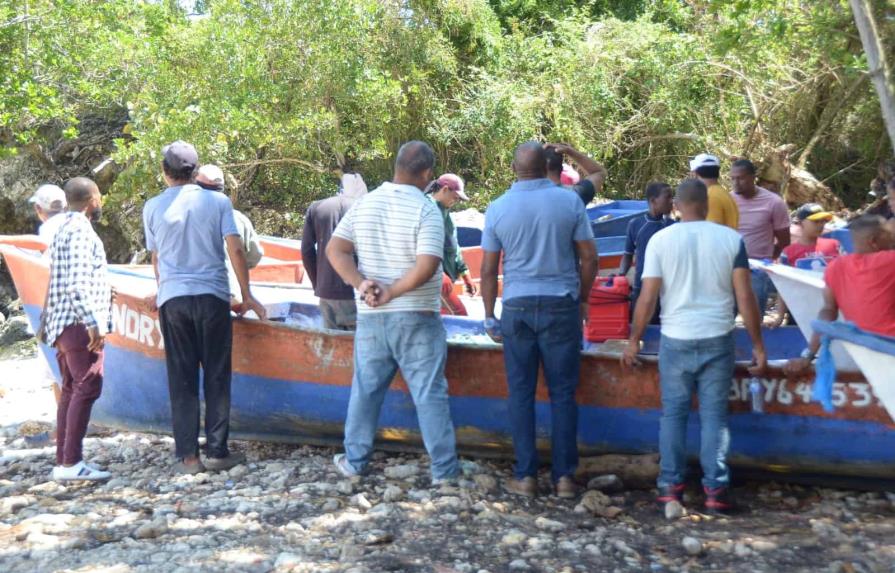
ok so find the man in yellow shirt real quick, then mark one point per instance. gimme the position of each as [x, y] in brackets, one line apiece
[722, 208]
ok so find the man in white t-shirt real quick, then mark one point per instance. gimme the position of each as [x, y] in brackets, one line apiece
[700, 268]
[397, 237]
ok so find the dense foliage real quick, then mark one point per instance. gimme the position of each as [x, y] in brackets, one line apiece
[284, 93]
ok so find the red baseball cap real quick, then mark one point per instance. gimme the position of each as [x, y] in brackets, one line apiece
[454, 183]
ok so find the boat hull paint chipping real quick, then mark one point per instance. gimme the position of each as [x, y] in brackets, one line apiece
[292, 384]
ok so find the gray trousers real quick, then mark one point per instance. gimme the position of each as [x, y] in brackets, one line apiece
[338, 314]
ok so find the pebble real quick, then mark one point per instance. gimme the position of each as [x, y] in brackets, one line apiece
[692, 545]
[513, 537]
[519, 565]
[152, 529]
[485, 482]
[549, 524]
[392, 494]
[609, 483]
[361, 501]
[674, 510]
[401, 471]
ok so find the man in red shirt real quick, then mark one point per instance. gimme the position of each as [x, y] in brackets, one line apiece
[859, 285]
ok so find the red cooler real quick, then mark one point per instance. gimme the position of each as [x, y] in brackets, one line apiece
[609, 315]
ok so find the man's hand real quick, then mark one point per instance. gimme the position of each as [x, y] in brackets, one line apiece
[561, 148]
[797, 366]
[151, 302]
[492, 329]
[252, 304]
[760, 360]
[97, 341]
[776, 322]
[471, 290]
[375, 293]
[584, 309]
[629, 356]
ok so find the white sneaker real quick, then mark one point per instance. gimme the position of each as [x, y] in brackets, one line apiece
[345, 468]
[79, 472]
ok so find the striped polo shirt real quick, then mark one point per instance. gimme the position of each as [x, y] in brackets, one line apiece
[389, 228]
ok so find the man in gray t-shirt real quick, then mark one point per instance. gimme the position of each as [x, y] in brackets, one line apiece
[186, 227]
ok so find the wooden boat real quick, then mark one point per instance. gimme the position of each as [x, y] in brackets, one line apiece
[874, 355]
[292, 381]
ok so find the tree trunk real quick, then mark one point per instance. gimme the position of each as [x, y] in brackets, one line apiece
[876, 61]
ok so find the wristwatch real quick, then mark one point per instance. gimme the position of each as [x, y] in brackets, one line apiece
[809, 355]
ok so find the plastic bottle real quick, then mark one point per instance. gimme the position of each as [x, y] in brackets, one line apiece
[755, 390]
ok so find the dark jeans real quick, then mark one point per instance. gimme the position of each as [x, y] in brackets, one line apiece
[543, 330]
[82, 383]
[197, 331]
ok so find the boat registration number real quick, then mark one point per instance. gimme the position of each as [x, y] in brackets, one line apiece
[785, 392]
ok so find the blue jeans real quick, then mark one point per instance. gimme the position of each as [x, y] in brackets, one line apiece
[416, 343]
[542, 330]
[762, 287]
[703, 366]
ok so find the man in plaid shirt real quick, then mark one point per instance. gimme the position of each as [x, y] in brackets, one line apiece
[77, 317]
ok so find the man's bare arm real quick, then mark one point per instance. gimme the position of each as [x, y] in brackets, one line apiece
[489, 271]
[781, 241]
[587, 257]
[340, 253]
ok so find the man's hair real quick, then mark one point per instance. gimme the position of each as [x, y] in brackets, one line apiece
[866, 225]
[655, 189]
[414, 158]
[744, 164]
[79, 191]
[554, 160]
[692, 191]
[708, 171]
[183, 174]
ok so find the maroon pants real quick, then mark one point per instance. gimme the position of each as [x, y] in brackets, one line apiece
[82, 382]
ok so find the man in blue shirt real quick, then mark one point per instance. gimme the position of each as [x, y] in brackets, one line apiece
[640, 231]
[549, 263]
[186, 227]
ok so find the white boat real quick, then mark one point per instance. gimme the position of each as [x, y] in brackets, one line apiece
[874, 355]
[803, 292]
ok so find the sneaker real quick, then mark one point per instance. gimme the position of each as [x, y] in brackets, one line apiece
[345, 468]
[184, 468]
[224, 464]
[526, 487]
[566, 488]
[451, 481]
[718, 500]
[669, 493]
[79, 472]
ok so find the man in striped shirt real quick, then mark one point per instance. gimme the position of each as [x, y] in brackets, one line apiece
[77, 317]
[397, 236]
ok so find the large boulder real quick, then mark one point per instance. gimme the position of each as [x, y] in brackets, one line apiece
[16, 329]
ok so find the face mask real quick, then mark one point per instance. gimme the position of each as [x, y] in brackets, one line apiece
[96, 215]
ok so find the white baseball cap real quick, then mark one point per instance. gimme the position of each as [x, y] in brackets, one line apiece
[210, 176]
[49, 198]
[704, 160]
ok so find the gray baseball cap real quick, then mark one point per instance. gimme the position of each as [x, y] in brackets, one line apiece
[180, 155]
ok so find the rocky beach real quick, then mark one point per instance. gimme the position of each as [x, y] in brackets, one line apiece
[287, 509]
